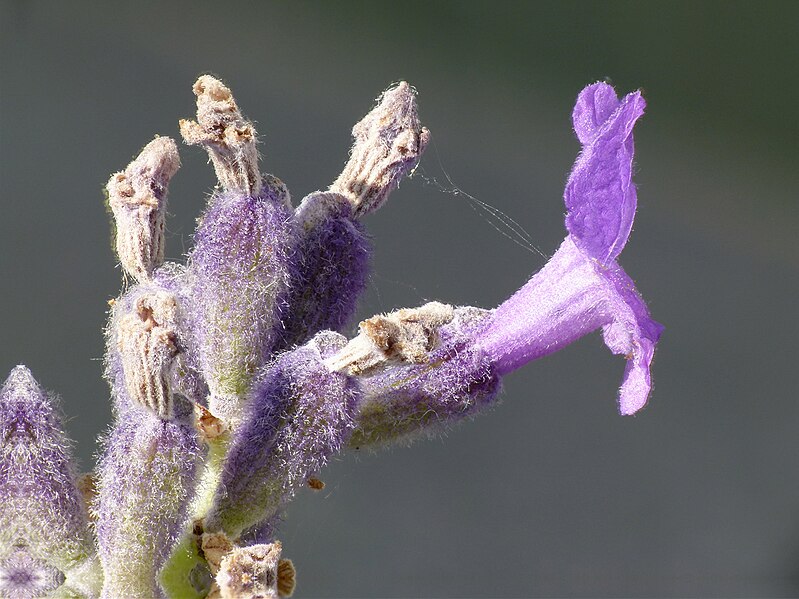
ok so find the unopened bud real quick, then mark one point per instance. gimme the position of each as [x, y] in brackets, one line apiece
[299, 414]
[389, 141]
[41, 506]
[137, 198]
[228, 137]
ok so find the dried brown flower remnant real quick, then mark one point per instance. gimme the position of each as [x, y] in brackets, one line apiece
[248, 572]
[316, 484]
[137, 198]
[286, 578]
[389, 141]
[406, 335]
[147, 345]
[228, 137]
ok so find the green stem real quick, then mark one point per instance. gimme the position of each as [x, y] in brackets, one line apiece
[176, 575]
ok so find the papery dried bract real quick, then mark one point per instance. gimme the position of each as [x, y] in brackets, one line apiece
[137, 198]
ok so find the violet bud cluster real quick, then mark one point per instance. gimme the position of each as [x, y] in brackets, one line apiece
[232, 384]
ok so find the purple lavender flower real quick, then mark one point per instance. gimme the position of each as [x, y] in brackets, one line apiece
[421, 369]
[333, 253]
[582, 288]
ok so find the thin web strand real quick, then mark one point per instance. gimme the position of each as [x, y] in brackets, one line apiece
[500, 221]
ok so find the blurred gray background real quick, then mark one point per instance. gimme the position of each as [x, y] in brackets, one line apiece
[552, 493]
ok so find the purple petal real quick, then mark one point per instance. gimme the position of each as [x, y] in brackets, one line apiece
[600, 196]
[634, 334]
[567, 299]
[593, 107]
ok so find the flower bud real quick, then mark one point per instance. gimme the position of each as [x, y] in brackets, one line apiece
[239, 270]
[333, 248]
[41, 506]
[333, 254]
[146, 480]
[300, 413]
[243, 257]
[24, 575]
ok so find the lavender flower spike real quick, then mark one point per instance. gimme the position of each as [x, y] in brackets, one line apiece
[582, 288]
[41, 509]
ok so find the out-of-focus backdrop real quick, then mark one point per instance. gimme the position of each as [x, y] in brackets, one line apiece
[552, 493]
